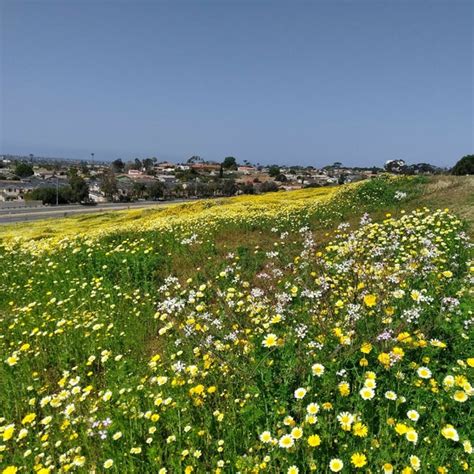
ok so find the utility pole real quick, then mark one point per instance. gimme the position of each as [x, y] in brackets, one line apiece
[57, 190]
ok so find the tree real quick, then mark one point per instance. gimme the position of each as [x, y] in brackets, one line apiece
[464, 166]
[281, 177]
[195, 159]
[248, 188]
[395, 166]
[268, 187]
[422, 168]
[212, 188]
[205, 190]
[229, 188]
[156, 190]
[179, 190]
[187, 175]
[48, 195]
[84, 169]
[79, 188]
[118, 166]
[148, 164]
[23, 170]
[274, 170]
[108, 184]
[229, 163]
[138, 190]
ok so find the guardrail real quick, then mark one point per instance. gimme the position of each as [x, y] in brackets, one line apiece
[20, 204]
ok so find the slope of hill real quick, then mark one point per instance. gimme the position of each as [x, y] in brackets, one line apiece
[325, 330]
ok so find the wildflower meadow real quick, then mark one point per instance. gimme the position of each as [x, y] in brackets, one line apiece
[323, 330]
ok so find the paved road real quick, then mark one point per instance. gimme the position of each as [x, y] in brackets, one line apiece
[8, 216]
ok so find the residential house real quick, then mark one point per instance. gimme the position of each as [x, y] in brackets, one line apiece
[164, 167]
[135, 173]
[166, 178]
[43, 173]
[13, 190]
[246, 169]
[206, 167]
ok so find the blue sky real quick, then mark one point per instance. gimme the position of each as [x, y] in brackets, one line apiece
[290, 82]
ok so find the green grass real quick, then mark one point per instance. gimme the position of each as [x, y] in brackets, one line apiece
[171, 321]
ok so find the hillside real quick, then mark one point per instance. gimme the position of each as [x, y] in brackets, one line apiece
[321, 330]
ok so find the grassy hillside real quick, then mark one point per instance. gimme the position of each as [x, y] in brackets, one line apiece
[322, 330]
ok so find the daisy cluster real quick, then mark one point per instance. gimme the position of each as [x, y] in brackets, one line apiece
[342, 351]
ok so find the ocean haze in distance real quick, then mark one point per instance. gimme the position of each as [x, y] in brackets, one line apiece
[269, 82]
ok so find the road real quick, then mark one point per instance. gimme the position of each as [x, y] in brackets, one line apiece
[8, 216]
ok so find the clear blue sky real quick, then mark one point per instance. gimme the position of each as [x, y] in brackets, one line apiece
[286, 82]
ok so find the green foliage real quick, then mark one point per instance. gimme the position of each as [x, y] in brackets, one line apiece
[159, 337]
[464, 166]
[49, 195]
[139, 190]
[268, 187]
[79, 187]
[274, 171]
[109, 184]
[229, 163]
[23, 170]
[195, 159]
[156, 190]
[118, 166]
[229, 188]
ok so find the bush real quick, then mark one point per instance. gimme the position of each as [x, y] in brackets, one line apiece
[48, 195]
[23, 170]
[268, 187]
[464, 166]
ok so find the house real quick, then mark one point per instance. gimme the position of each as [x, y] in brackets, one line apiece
[135, 173]
[206, 166]
[353, 177]
[166, 178]
[164, 167]
[319, 179]
[145, 179]
[246, 169]
[14, 190]
[125, 184]
[43, 173]
[5, 173]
